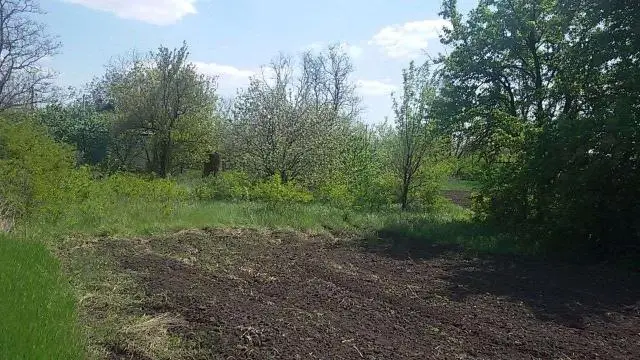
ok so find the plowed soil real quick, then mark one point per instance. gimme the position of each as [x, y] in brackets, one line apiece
[246, 294]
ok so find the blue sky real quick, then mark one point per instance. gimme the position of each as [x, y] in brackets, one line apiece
[233, 38]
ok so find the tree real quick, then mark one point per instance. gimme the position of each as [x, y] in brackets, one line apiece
[24, 44]
[79, 125]
[292, 125]
[165, 101]
[553, 116]
[414, 127]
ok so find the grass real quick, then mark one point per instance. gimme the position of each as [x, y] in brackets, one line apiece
[149, 218]
[39, 294]
[417, 234]
[36, 307]
[459, 185]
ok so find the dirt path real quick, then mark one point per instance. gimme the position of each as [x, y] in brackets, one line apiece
[458, 197]
[246, 294]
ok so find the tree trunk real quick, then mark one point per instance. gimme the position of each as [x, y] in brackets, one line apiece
[165, 156]
[284, 178]
[404, 196]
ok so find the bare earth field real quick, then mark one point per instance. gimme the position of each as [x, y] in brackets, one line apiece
[249, 294]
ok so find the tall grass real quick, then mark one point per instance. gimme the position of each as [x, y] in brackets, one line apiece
[37, 311]
[128, 218]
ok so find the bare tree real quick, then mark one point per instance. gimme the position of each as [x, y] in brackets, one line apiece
[24, 44]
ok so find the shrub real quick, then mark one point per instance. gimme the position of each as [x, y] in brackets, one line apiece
[377, 192]
[35, 171]
[129, 186]
[367, 190]
[336, 193]
[429, 179]
[273, 190]
[231, 185]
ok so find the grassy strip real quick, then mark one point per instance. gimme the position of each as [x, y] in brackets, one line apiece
[36, 307]
[459, 185]
[155, 217]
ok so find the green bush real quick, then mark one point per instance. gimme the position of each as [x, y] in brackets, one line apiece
[366, 191]
[377, 192]
[80, 126]
[129, 186]
[335, 192]
[429, 179]
[273, 190]
[230, 185]
[36, 173]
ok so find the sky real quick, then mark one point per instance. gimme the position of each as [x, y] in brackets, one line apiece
[234, 38]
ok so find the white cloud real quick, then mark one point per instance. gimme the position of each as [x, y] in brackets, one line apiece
[157, 12]
[353, 51]
[408, 39]
[230, 78]
[375, 87]
[222, 70]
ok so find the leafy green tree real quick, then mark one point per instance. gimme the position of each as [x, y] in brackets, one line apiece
[81, 126]
[528, 88]
[414, 127]
[362, 175]
[163, 102]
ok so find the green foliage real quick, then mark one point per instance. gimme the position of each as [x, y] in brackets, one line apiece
[467, 168]
[228, 185]
[293, 122]
[273, 190]
[362, 175]
[554, 119]
[35, 171]
[128, 186]
[164, 112]
[236, 185]
[335, 193]
[79, 125]
[429, 178]
[416, 139]
[37, 307]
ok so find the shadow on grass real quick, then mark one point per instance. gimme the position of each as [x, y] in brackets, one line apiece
[571, 295]
[429, 238]
[483, 262]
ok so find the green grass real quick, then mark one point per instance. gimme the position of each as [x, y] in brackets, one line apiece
[37, 310]
[459, 185]
[39, 297]
[148, 218]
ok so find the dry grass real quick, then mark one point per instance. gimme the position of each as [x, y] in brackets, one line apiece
[109, 301]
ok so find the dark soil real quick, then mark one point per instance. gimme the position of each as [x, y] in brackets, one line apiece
[458, 197]
[260, 295]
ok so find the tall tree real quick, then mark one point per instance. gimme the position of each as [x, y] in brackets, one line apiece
[164, 100]
[24, 44]
[414, 127]
[290, 124]
[553, 115]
